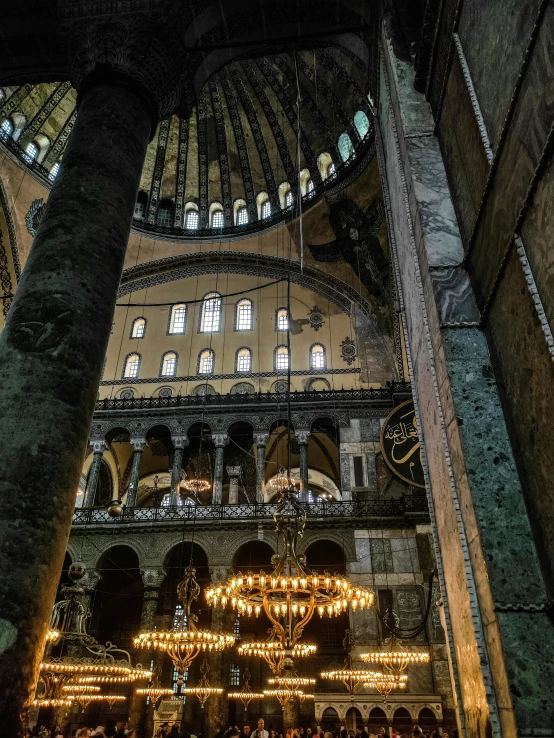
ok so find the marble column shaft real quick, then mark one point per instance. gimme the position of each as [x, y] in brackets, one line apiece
[261, 440]
[138, 447]
[302, 436]
[220, 441]
[94, 472]
[179, 444]
[234, 473]
[52, 349]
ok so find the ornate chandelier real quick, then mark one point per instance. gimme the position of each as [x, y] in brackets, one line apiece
[291, 594]
[394, 657]
[185, 641]
[385, 683]
[246, 695]
[285, 695]
[86, 658]
[350, 677]
[274, 652]
[155, 690]
[196, 485]
[85, 699]
[203, 689]
[290, 681]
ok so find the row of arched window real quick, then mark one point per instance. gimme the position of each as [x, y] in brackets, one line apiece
[35, 151]
[243, 361]
[165, 214]
[210, 317]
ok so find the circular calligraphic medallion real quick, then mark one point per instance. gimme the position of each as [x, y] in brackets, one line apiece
[401, 446]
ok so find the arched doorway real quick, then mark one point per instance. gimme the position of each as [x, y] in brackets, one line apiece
[353, 719]
[377, 719]
[402, 720]
[427, 720]
[330, 720]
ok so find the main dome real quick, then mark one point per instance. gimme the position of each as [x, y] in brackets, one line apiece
[235, 165]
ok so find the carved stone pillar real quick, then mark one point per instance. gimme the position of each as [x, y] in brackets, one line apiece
[141, 715]
[261, 440]
[54, 341]
[179, 443]
[217, 707]
[291, 714]
[92, 482]
[138, 448]
[303, 436]
[220, 440]
[234, 473]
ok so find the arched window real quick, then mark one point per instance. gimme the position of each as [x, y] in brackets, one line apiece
[210, 315]
[317, 356]
[140, 205]
[206, 362]
[325, 165]
[244, 315]
[192, 217]
[242, 215]
[243, 361]
[310, 188]
[285, 195]
[165, 214]
[139, 328]
[289, 200]
[282, 319]
[331, 171]
[346, 149]
[361, 121]
[306, 183]
[168, 366]
[7, 127]
[132, 366]
[53, 173]
[266, 210]
[281, 359]
[178, 319]
[32, 151]
[218, 220]
[264, 205]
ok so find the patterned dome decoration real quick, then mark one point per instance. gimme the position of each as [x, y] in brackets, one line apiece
[165, 392]
[127, 394]
[280, 386]
[34, 214]
[243, 388]
[348, 351]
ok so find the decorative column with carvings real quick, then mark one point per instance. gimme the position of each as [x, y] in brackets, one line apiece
[234, 474]
[141, 716]
[261, 440]
[128, 71]
[302, 436]
[92, 482]
[220, 440]
[179, 443]
[138, 448]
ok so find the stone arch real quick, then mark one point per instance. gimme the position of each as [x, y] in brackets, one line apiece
[346, 542]
[240, 538]
[167, 544]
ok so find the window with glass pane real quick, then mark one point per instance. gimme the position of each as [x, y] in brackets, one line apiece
[139, 328]
[282, 319]
[288, 199]
[7, 127]
[331, 171]
[234, 675]
[242, 216]
[169, 365]
[266, 210]
[132, 365]
[206, 364]
[165, 214]
[192, 220]
[244, 316]
[53, 173]
[31, 152]
[217, 219]
[310, 187]
[178, 319]
[281, 358]
[318, 357]
[236, 628]
[244, 360]
[211, 313]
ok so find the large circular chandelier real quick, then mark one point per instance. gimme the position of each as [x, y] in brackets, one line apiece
[350, 677]
[203, 690]
[286, 695]
[154, 691]
[246, 695]
[196, 485]
[185, 641]
[385, 683]
[394, 657]
[275, 653]
[291, 594]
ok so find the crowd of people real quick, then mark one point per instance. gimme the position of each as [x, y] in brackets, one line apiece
[119, 730]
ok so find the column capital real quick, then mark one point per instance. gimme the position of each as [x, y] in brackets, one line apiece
[233, 471]
[138, 444]
[220, 439]
[261, 438]
[153, 577]
[91, 578]
[219, 573]
[302, 435]
[98, 446]
[139, 50]
[180, 441]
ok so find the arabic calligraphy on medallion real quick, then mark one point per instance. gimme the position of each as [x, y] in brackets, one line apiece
[401, 446]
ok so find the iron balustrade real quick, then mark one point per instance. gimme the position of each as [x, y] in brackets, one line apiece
[355, 509]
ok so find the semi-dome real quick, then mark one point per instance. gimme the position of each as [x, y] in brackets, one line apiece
[234, 165]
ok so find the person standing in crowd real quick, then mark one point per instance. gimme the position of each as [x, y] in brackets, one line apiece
[99, 732]
[309, 732]
[261, 732]
[174, 732]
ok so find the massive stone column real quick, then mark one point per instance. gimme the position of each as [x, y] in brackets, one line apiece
[216, 711]
[56, 334]
[179, 443]
[138, 448]
[501, 635]
[234, 473]
[141, 714]
[303, 436]
[261, 440]
[92, 482]
[220, 440]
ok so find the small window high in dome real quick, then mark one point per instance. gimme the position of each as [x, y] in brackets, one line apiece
[289, 199]
[192, 219]
[32, 151]
[266, 210]
[242, 215]
[165, 214]
[139, 328]
[346, 148]
[7, 127]
[217, 219]
[169, 364]
[206, 362]
[53, 173]
[178, 318]
[140, 205]
[361, 122]
[132, 366]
